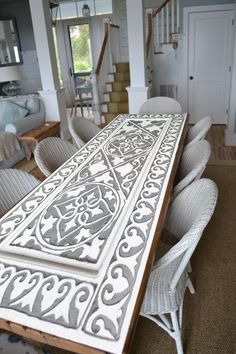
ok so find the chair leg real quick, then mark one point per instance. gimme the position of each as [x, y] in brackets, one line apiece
[190, 286]
[177, 333]
[71, 110]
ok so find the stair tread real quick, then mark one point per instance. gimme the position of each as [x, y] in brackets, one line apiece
[120, 102]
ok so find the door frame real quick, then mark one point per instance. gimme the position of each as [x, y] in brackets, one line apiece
[70, 22]
[186, 12]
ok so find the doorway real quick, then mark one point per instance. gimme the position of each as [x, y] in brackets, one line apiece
[209, 43]
[78, 43]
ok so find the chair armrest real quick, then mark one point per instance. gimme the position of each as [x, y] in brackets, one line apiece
[26, 124]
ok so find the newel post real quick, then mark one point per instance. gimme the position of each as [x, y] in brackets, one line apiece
[96, 102]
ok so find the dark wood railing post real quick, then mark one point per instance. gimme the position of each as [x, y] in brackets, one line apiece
[149, 31]
[104, 43]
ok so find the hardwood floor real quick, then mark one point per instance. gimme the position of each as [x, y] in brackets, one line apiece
[216, 137]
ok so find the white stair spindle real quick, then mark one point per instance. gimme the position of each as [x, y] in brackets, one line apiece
[177, 15]
[162, 26]
[157, 32]
[96, 103]
[172, 16]
[167, 24]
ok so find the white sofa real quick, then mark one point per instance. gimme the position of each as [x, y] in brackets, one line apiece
[34, 117]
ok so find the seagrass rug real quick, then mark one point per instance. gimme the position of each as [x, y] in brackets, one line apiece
[209, 323]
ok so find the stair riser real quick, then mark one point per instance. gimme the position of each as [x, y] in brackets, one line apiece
[121, 76]
[117, 86]
[119, 107]
[122, 67]
[116, 97]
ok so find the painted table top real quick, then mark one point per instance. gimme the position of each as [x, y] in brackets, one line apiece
[73, 252]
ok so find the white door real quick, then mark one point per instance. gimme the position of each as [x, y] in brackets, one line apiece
[209, 64]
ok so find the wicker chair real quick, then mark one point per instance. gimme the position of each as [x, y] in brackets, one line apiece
[51, 153]
[158, 105]
[14, 185]
[82, 130]
[192, 165]
[198, 131]
[187, 217]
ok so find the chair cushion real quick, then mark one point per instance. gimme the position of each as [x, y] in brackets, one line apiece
[10, 113]
[32, 104]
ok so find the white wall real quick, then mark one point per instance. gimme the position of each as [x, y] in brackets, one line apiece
[30, 69]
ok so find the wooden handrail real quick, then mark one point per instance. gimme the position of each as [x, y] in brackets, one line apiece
[149, 36]
[104, 43]
[160, 8]
[114, 26]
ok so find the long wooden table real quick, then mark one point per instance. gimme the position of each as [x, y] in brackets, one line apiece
[77, 251]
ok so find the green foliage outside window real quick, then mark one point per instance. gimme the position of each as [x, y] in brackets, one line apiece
[80, 46]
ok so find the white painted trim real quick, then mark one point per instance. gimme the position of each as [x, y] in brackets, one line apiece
[230, 133]
[137, 96]
[186, 12]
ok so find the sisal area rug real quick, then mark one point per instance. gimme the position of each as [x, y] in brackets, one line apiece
[209, 323]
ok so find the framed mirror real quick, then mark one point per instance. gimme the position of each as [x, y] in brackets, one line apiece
[10, 50]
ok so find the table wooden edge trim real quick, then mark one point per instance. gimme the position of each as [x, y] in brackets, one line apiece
[151, 257]
[48, 339]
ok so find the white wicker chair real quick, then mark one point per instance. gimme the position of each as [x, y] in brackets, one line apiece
[82, 130]
[14, 185]
[51, 153]
[187, 217]
[158, 105]
[192, 165]
[198, 131]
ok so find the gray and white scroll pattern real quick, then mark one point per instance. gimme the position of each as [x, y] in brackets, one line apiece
[78, 222]
[49, 297]
[38, 196]
[108, 311]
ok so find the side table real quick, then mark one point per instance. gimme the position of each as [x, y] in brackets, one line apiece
[30, 139]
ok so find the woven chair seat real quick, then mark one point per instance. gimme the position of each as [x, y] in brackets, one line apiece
[82, 130]
[160, 105]
[198, 131]
[14, 185]
[159, 298]
[51, 153]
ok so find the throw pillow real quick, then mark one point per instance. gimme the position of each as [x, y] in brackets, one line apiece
[32, 104]
[11, 112]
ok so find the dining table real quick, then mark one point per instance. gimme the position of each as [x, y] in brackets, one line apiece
[76, 252]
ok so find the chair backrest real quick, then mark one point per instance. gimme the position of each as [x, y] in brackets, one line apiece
[186, 219]
[82, 130]
[159, 105]
[14, 185]
[192, 165]
[51, 153]
[199, 130]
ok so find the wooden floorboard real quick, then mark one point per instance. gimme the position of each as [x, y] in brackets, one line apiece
[216, 138]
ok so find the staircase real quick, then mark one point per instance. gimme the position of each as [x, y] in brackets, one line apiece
[116, 97]
[166, 26]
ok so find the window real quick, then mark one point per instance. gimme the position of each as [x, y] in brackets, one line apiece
[72, 9]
